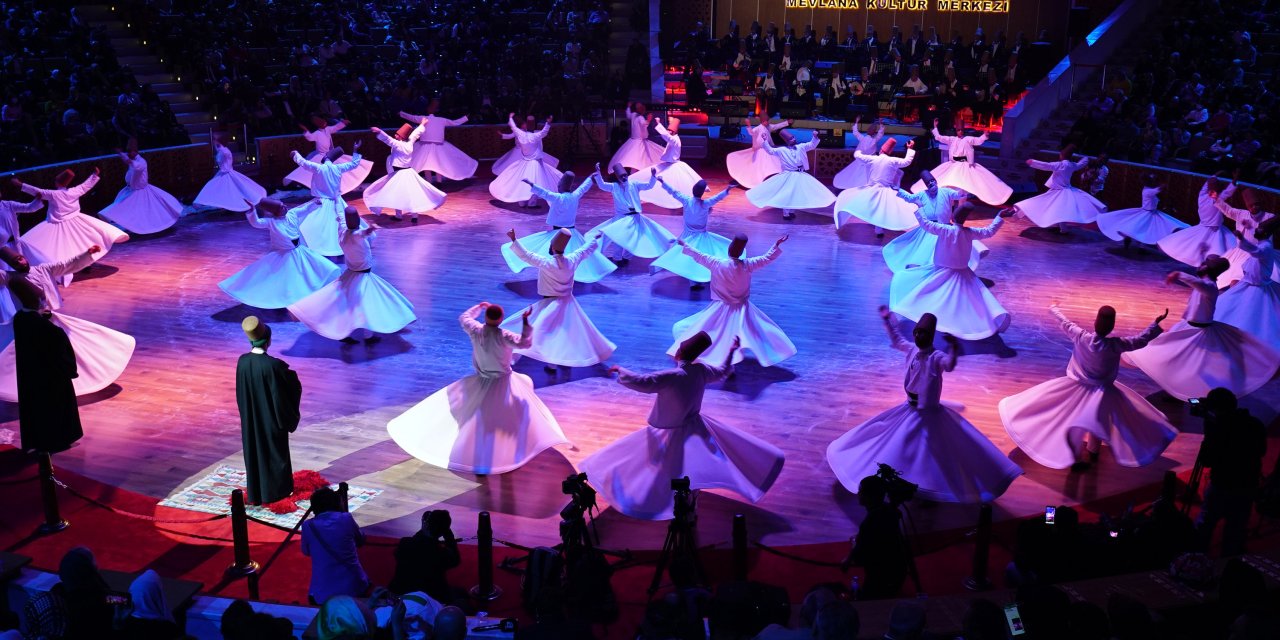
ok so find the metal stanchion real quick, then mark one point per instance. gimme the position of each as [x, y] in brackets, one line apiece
[53, 521]
[343, 490]
[486, 590]
[243, 566]
[739, 547]
[978, 581]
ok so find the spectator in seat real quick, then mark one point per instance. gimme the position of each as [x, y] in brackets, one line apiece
[330, 539]
[879, 548]
[1234, 444]
[423, 559]
[151, 618]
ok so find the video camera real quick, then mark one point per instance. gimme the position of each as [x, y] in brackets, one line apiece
[684, 500]
[582, 496]
[897, 489]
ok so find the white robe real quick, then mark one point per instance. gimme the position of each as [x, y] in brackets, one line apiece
[732, 315]
[402, 189]
[1236, 256]
[674, 172]
[1253, 301]
[878, 203]
[358, 299]
[916, 247]
[966, 173]
[927, 442]
[434, 153]
[11, 232]
[638, 151]
[1144, 224]
[634, 473]
[323, 139]
[1062, 202]
[794, 188]
[562, 214]
[510, 185]
[66, 232]
[140, 207]
[750, 167]
[1050, 420]
[1199, 354]
[288, 273]
[228, 189]
[1186, 245]
[489, 422]
[323, 218]
[948, 288]
[629, 231]
[858, 173]
[697, 212]
[566, 336]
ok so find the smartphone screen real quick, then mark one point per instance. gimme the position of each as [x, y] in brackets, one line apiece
[1049, 513]
[1014, 619]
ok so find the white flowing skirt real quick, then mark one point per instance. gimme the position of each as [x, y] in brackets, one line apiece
[350, 180]
[59, 241]
[354, 301]
[791, 190]
[915, 248]
[964, 307]
[510, 186]
[1185, 246]
[1254, 308]
[228, 191]
[676, 261]
[636, 153]
[281, 278]
[147, 210]
[678, 176]
[444, 159]
[1236, 257]
[562, 334]
[933, 447]
[478, 425]
[1141, 225]
[751, 167]
[973, 178]
[321, 224]
[402, 190]
[101, 356]
[638, 234]
[634, 473]
[757, 331]
[1050, 420]
[1189, 361]
[514, 155]
[1055, 206]
[854, 175]
[875, 205]
[590, 270]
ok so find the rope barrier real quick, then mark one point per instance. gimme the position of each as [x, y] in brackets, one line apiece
[128, 514]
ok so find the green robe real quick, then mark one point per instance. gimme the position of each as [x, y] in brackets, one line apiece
[48, 418]
[268, 394]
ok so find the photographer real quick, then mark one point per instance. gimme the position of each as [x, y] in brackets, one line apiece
[1233, 447]
[879, 548]
[330, 539]
[423, 558]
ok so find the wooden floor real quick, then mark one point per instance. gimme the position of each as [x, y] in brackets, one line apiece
[172, 416]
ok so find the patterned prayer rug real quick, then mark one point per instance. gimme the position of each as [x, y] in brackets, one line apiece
[212, 494]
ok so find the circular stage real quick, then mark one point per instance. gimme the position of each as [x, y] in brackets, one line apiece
[172, 416]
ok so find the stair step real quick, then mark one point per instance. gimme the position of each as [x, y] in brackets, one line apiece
[185, 107]
[126, 42]
[132, 60]
[166, 87]
[155, 78]
[152, 68]
[193, 117]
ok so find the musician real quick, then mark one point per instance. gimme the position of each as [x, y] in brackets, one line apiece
[838, 94]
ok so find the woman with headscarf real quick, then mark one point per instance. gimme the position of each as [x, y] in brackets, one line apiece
[85, 593]
[345, 618]
[151, 618]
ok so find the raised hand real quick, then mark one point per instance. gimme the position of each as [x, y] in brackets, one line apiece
[423, 122]
[597, 168]
[781, 240]
[95, 249]
[346, 122]
[911, 144]
[97, 171]
[550, 119]
[615, 370]
[1029, 161]
[511, 233]
[884, 312]
[653, 172]
[511, 116]
[525, 316]
[737, 342]
[659, 179]
[1160, 318]
[375, 131]
[16, 183]
[1171, 277]
[356, 145]
[303, 128]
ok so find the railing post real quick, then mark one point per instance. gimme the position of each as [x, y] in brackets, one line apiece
[739, 547]
[53, 521]
[243, 566]
[486, 590]
[978, 581]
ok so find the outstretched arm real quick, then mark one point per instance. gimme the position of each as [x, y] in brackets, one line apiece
[989, 230]
[895, 337]
[714, 200]
[1133, 343]
[905, 160]
[539, 261]
[412, 118]
[772, 254]
[468, 319]
[84, 187]
[1070, 328]
[351, 164]
[1041, 165]
[303, 162]
[74, 264]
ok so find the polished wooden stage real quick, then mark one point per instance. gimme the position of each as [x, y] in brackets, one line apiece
[172, 416]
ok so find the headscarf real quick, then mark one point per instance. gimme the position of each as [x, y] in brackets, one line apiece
[343, 617]
[148, 597]
[79, 571]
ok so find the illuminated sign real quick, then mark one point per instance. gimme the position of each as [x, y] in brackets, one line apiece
[967, 6]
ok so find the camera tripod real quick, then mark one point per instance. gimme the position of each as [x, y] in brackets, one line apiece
[904, 518]
[680, 549]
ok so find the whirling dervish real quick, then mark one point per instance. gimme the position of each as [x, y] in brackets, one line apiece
[634, 473]
[141, 207]
[629, 231]
[922, 438]
[1253, 301]
[638, 151]
[359, 304]
[1200, 353]
[962, 170]
[1063, 422]
[948, 288]
[1146, 224]
[1062, 204]
[66, 230]
[513, 184]
[794, 188]
[697, 212]
[10, 227]
[101, 354]
[731, 314]
[673, 171]
[750, 167]
[514, 154]
[1247, 220]
[289, 272]
[436, 155]
[491, 421]
[877, 203]
[858, 173]
[566, 336]
[562, 214]
[915, 247]
[1209, 237]
[228, 189]
[322, 136]
[322, 218]
[402, 189]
